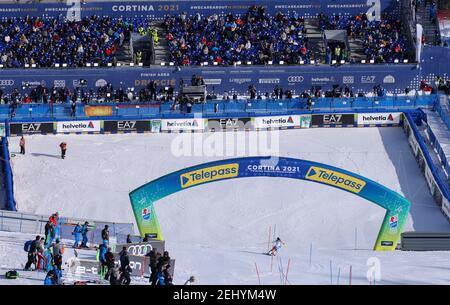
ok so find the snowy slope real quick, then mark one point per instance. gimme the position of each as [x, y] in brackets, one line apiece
[221, 228]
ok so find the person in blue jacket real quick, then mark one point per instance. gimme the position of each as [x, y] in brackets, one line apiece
[50, 279]
[84, 231]
[103, 248]
[77, 234]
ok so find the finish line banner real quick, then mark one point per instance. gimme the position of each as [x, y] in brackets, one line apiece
[397, 207]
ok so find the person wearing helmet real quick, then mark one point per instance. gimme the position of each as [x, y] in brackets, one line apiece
[278, 244]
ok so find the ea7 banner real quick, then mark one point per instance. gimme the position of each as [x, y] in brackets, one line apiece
[30, 128]
[397, 207]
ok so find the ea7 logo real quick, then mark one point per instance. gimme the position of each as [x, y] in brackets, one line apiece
[332, 118]
[126, 124]
[368, 79]
[32, 127]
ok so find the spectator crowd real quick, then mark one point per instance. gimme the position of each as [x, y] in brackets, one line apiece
[255, 36]
[382, 40]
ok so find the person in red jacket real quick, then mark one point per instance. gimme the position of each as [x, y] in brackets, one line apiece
[63, 147]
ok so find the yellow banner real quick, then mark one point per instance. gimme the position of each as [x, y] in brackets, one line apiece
[209, 174]
[334, 178]
[98, 110]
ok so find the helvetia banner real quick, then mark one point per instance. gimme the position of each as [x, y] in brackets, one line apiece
[281, 121]
[388, 118]
[78, 126]
[183, 124]
[397, 207]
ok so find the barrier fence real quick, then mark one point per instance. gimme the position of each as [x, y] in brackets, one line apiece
[11, 221]
[210, 108]
[438, 187]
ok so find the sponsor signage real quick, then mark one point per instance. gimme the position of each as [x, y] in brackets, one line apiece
[98, 110]
[335, 178]
[379, 118]
[389, 79]
[182, 124]
[209, 174]
[78, 126]
[276, 121]
[155, 126]
[126, 125]
[141, 249]
[229, 124]
[333, 119]
[30, 128]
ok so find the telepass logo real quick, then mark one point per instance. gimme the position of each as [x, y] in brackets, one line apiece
[209, 174]
[336, 179]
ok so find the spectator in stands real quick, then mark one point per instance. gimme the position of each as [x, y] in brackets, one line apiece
[129, 239]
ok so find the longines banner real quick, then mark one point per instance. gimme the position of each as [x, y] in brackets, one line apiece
[158, 9]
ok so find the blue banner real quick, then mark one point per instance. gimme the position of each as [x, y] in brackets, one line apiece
[158, 9]
[362, 78]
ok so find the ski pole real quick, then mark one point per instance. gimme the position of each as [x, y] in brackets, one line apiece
[268, 243]
[339, 275]
[350, 276]
[310, 254]
[331, 273]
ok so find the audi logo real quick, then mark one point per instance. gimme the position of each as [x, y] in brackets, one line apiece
[6, 82]
[139, 250]
[296, 79]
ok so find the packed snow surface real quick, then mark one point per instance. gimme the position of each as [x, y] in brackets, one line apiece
[219, 231]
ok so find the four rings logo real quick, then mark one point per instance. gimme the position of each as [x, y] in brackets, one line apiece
[296, 79]
[6, 82]
[139, 250]
[348, 79]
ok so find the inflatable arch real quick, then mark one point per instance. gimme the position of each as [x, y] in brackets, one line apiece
[397, 207]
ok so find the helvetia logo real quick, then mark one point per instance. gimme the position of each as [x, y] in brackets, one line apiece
[78, 125]
[209, 174]
[334, 178]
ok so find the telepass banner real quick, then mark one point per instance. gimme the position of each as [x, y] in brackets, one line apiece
[397, 207]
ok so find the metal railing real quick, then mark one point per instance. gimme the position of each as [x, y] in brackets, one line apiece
[217, 107]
